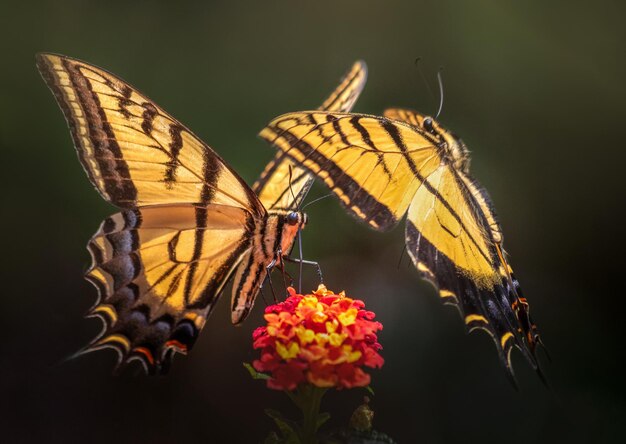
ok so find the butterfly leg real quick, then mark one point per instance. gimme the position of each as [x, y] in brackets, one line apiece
[289, 278]
[263, 295]
[268, 277]
[281, 267]
[305, 262]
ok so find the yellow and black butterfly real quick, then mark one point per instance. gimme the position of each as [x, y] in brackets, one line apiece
[405, 162]
[188, 221]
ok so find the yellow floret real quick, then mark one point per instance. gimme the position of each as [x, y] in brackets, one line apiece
[336, 339]
[331, 326]
[352, 355]
[348, 317]
[319, 316]
[305, 335]
[287, 352]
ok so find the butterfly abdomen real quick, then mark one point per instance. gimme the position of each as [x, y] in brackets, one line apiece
[252, 269]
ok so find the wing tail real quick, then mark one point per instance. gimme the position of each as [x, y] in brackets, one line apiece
[485, 308]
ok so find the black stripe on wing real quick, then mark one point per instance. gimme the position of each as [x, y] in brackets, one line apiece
[117, 186]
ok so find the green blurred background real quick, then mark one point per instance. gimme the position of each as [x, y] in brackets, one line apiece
[536, 90]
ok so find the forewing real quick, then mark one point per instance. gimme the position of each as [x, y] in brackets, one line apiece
[159, 271]
[134, 153]
[283, 185]
[374, 165]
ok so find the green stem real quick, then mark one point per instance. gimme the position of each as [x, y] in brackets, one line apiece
[309, 399]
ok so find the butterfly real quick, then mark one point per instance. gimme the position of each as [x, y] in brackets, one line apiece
[188, 222]
[383, 167]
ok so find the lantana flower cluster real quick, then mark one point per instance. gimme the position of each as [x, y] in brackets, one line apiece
[322, 338]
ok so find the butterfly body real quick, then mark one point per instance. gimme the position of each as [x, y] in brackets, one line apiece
[272, 238]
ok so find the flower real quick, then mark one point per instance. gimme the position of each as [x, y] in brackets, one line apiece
[323, 338]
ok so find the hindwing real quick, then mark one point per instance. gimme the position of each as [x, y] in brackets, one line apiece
[159, 271]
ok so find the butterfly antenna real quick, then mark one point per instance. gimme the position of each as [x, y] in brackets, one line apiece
[317, 200]
[418, 65]
[440, 81]
[301, 258]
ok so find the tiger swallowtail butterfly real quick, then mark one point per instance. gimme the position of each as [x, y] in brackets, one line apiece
[187, 223]
[382, 168]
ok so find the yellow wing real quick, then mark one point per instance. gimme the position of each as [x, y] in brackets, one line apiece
[381, 169]
[449, 241]
[159, 271]
[369, 162]
[283, 185]
[134, 153]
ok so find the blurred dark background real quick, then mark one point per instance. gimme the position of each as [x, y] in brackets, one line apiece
[536, 90]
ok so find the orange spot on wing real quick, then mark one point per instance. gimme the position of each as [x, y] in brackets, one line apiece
[177, 345]
[147, 353]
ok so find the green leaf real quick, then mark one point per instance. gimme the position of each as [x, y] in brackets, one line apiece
[370, 390]
[254, 373]
[285, 426]
[322, 418]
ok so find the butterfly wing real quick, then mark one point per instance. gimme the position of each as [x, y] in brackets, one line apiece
[283, 185]
[381, 169]
[160, 265]
[449, 241]
[480, 199]
[134, 153]
[159, 271]
[357, 156]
